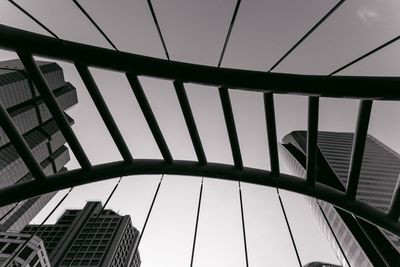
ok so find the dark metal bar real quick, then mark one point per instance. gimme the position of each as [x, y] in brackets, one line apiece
[190, 123]
[288, 226]
[95, 24]
[312, 139]
[20, 144]
[104, 112]
[153, 14]
[269, 110]
[18, 192]
[16, 253]
[228, 35]
[230, 126]
[51, 103]
[357, 152]
[147, 217]
[243, 225]
[394, 209]
[327, 15]
[366, 55]
[311, 85]
[95, 220]
[197, 222]
[33, 18]
[149, 115]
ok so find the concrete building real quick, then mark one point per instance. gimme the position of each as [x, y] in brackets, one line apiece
[33, 253]
[90, 237]
[355, 242]
[31, 116]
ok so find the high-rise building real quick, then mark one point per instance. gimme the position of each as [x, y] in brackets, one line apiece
[90, 237]
[355, 242]
[32, 253]
[32, 118]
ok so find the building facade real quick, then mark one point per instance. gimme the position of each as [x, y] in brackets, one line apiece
[32, 118]
[355, 242]
[90, 237]
[32, 253]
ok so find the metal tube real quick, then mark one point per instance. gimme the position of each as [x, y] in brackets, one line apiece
[357, 152]
[190, 123]
[20, 144]
[55, 110]
[312, 85]
[104, 112]
[149, 116]
[230, 126]
[269, 110]
[312, 138]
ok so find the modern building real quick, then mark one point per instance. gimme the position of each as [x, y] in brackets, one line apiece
[355, 242]
[32, 118]
[32, 253]
[91, 236]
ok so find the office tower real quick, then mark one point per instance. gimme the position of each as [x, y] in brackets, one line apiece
[32, 118]
[90, 237]
[355, 242]
[33, 253]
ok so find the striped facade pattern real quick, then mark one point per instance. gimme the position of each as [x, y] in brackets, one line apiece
[34, 121]
[86, 238]
[378, 179]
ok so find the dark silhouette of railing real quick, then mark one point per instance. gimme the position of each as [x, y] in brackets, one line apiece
[366, 89]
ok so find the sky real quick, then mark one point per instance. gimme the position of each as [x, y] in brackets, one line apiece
[194, 31]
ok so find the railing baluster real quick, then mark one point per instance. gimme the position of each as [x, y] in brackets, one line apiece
[55, 110]
[149, 116]
[312, 139]
[357, 152]
[20, 144]
[231, 128]
[190, 123]
[104, 111]
[269, 110]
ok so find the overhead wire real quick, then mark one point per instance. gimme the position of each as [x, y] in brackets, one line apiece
[147, 217]
[197, 222]
[228, 35]
[82, 9]
[153, 14]
[33, 18]
[308, 33]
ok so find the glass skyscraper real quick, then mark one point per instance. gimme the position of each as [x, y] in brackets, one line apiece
[355, 242]
[32, 118]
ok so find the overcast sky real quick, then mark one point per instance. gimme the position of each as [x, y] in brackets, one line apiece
[194, 32]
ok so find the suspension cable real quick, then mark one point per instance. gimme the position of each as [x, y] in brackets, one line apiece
[197, 221]
[288, 226]
[16, 253]
[243, 225]
[33, 18]
[228, 35]
[153, 14]
[95, 220]
[327, 15]
[147, 217]
[82, 9]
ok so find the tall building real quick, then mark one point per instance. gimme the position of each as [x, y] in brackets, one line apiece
[33, 252]
[32, 118]
[355, 242]
[90, 237]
